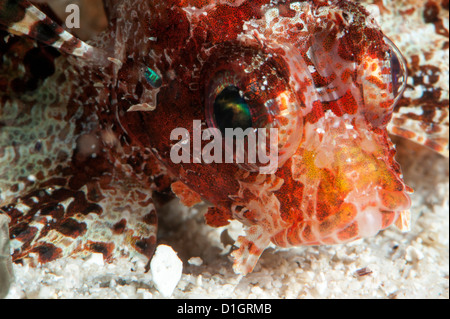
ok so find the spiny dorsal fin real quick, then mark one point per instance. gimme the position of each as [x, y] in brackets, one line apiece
[430, 133]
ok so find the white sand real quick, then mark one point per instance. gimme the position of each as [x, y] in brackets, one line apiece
[411, 265]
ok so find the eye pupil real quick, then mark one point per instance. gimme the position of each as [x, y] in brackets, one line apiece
[396, 73]
[231, 110]
[399, 71]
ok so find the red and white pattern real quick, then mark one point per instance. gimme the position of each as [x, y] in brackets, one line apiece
[77, 169]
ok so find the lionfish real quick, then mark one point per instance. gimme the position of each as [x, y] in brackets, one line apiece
[86, 126]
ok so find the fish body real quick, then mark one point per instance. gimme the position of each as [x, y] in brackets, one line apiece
[321, 74]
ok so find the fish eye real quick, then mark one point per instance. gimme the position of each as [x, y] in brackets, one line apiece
[230, 110]
[399, 73]
[255, 102]
[232, 103]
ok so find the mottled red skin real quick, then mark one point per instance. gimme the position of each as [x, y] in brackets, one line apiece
[187, 52]
[217, 182]
[221, 29]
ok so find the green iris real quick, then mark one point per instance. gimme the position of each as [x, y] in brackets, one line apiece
[231, 110]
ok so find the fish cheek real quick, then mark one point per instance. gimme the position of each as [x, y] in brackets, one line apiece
[175, 108]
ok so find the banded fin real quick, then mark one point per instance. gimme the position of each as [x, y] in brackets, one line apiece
[403, 221]
[432, 134]
[52, 223]
[250, 249]
[20, 17]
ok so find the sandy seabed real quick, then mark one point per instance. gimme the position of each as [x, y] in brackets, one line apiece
[389, 265]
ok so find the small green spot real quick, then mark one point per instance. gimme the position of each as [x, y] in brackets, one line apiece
[153, 78]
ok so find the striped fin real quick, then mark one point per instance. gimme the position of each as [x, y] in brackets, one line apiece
[20, 17]
[432, 133]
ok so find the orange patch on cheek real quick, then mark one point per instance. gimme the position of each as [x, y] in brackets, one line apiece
[331, 194]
